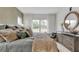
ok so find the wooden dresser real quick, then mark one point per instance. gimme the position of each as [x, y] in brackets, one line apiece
[70, 41]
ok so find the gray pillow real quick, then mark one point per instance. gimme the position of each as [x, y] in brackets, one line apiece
[2, 27]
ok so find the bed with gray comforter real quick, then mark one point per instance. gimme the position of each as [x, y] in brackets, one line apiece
[21, 45]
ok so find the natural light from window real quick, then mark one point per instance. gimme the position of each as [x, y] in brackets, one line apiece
[19, 20]
[40, 26]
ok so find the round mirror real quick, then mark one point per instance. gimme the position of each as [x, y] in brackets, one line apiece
[71, 20]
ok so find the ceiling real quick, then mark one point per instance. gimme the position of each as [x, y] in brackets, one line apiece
[39, 10]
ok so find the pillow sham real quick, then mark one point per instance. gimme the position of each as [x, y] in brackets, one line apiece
[22, 34]
[2, 27]
[29, 31]
[4, 31]
[1, 38]
[10, 36]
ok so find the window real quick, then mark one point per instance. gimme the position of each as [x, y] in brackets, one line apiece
[35, 25]
[44, 25]
[19, 20]
[40, 26]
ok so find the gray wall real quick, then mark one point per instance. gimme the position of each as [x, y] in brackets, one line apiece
[8, 15]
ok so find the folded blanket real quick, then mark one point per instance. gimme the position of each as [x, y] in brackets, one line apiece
[44, 44]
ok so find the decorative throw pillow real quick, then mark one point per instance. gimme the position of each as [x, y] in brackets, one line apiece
[2, 27]
[27, 34]
[29, 31]
[10, 36]
[6, 26]
[20, 28]
[1, 38]
[22, 35]
[4, 31]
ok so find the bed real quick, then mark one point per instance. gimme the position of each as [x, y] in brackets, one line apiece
[22, 45]
[25, 45]
[28, 44]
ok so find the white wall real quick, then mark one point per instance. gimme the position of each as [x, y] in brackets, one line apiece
[60, 17]
[52, 22]
[50, 17]
[27, 20]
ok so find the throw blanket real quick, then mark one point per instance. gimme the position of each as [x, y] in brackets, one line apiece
[44, 44]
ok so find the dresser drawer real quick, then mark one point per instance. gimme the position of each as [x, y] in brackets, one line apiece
[70, 39]
[60, 38]
[68, 44]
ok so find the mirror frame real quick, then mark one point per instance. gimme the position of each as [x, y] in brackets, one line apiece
[77, 15]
